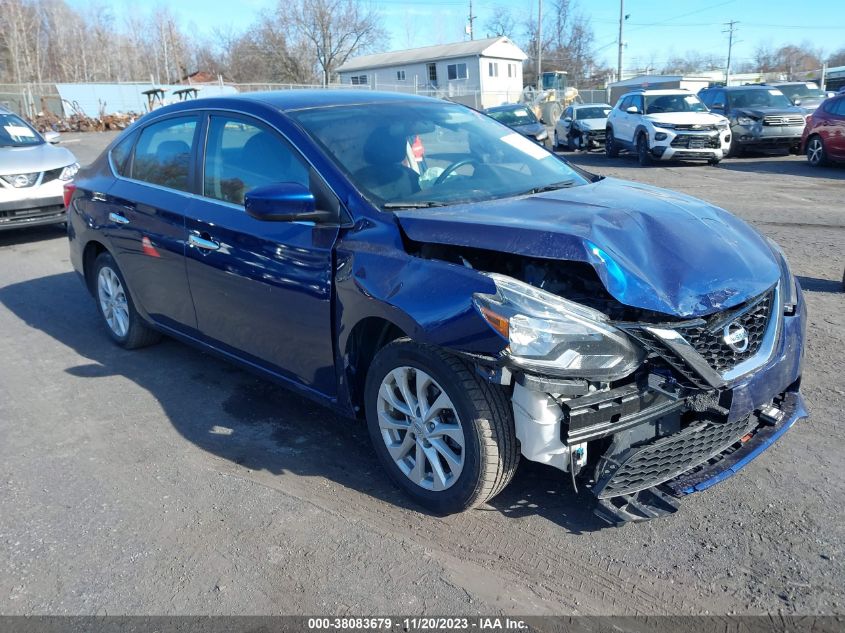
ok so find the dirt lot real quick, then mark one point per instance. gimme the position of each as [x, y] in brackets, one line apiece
[165, 481]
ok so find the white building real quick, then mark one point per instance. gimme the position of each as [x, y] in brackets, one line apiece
[479, 73]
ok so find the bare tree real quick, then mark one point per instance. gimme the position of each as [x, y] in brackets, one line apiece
[837, 58]
[567, 44]
[334, 30]
[501, 22]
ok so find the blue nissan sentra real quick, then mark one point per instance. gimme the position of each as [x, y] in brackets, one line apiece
[472, 296]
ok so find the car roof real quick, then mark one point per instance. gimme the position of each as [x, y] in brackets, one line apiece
[749, 87]
[506, 107]
[296, 99]
[578, 106]
[662, 91]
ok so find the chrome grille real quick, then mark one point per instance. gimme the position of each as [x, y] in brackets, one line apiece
[699, 351]
[787, 119]
[708, 340]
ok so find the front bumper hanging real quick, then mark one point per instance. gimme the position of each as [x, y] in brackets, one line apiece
[644, 483]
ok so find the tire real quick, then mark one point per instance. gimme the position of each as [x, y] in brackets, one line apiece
[735, 151]
[570, 143]
[714, 161]
[476, 428]
[122, 321]
[816, 154]
[610, 149]
[643, 154]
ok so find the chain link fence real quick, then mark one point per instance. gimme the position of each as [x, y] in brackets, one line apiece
[32, 99]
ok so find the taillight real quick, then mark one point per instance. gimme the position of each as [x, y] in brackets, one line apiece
[69, 189]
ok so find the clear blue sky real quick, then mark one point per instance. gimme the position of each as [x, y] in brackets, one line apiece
[655, 31]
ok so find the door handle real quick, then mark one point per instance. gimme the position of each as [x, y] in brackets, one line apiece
[203, 243]
[117, 218]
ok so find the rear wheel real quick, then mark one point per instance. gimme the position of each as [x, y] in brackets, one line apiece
[816, 155]
[643, 152]
[444, 434]
[610, 148]
[122, 321]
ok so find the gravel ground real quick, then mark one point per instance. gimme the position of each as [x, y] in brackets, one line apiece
[165, 481]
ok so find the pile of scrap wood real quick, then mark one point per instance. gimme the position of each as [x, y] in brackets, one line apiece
[46, 120]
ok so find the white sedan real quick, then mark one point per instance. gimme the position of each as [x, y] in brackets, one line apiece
[582, 126]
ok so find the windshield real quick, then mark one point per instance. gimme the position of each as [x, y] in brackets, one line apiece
[679, 102]
[516, 116]
[599, 112]
[802, 91]
[15, 132]
[414, 155]
[759, 98]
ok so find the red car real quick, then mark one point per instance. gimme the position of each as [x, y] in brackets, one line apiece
[824, 135]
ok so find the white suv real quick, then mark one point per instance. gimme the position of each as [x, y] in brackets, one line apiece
[666, 125]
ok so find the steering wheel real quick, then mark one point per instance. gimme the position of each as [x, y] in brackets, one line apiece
[451, 168]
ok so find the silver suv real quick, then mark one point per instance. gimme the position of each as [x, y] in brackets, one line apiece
[666, 125]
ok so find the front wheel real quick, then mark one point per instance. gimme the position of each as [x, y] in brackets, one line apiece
[444, 434]
[610, 149]
[643, 153]
[816, 155]
[122, 321]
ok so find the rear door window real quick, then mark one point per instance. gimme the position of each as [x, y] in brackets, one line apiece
[163, 153]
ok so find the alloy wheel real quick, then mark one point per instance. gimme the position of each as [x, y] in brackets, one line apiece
[815, 151]
[420, 428]
[113, 301]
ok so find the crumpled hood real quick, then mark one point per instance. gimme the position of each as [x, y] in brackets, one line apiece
[759, 113]
[25, 160]
[652, 249]
[592, 124]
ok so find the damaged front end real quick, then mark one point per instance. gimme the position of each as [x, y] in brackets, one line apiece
[638, 407]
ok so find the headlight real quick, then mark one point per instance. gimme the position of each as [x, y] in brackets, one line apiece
[723, 125]
[789, 286]
[549, 334]
[665, 126]
[69, 172]
[542, 135]
[744, 120]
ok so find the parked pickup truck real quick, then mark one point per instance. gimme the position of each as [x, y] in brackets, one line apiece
[467, 292]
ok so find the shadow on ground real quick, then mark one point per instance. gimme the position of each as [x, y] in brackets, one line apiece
[250, 421]
[16, 237]
[814, 284]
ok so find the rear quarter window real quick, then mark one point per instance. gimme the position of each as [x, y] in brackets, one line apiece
[121, 152]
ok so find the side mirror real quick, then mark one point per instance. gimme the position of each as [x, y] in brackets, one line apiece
[52, 137]
[283, 202]
[632, 110]
[567, 119]
[797, 102]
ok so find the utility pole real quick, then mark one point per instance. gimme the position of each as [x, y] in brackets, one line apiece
[622, 17]
[471, 20]
[539, 45]
[730, 31]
